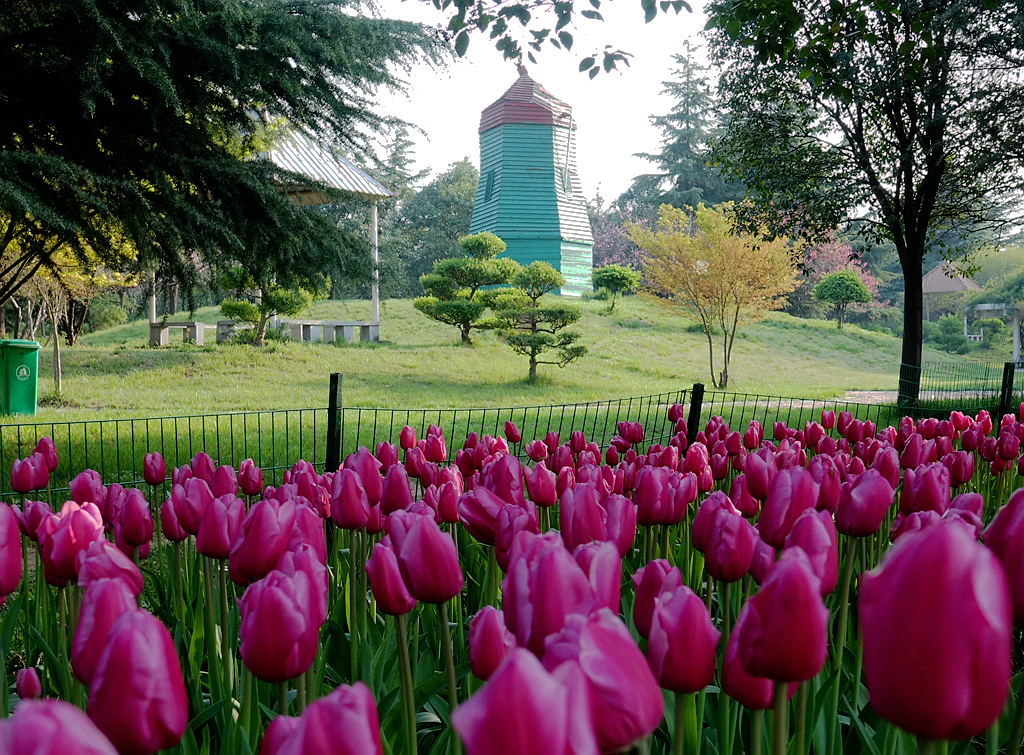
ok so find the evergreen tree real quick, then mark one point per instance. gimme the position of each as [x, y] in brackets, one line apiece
[131, 114]
[686, 175]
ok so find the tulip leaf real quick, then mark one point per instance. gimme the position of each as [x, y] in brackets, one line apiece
[10, 621]
[197, 647]
[59, 671]
[189, 746]
[865, 734]
[201, 719]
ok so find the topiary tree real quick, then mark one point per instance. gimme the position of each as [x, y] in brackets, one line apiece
[534, 330]
[454, 288]
[840, 289]
[272, 299]
[615, 278]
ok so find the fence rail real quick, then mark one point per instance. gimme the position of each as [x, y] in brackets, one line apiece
[276, 439]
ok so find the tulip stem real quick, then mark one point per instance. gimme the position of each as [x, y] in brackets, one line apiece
[781, 727]
[449, 667]
[801, 717]
[664, 542]
[405, 675]
[179, 600]
[300, 693]
[352, 617]
[756, 731]
[210, 631]
[844, 601]
[491, 599]
[282, 698]
[225, 631]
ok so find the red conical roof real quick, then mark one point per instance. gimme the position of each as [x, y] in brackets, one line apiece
[526, 101]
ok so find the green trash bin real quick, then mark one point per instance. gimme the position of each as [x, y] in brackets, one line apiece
[19, 384]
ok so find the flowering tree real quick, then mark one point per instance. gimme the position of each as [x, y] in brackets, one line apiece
[720, 277]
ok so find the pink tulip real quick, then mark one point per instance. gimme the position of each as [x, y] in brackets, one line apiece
[925, 488]
[46, 448]
[543, 586]
[278, 629]
[625, 702]
[395, 491]
[386, 581]
[263, 537]
[536, 450]
[52, 727]
[363, 463]
[603, 567]
[535, 711]
[681, 646]
[427, 558]
[103, 603]
[73, 531]
[203, 467]
[350, 508]
[754, 692]
[308, 530]
[863, 504]
[23, 475]
[650, 581]
[511, 521]
[478, 512]
[815, 532]
[224, 482]
[103, 560]
[137, 694]
[512, 432]
[730, 548]
[87, 487]
[942, 588]
[784, 637]
[154, 471]
[759, 469]
[10, 551]
[169, 523]
[250, 477]
[1005, 538]
[29, 517]
[135, 519]
[434, 449]
[700, 534]
[27, 684]
[342, 723]
[190, 502]
[792, 492]
[220, 525]
[490, 642]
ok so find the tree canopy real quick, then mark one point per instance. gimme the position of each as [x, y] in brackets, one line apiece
[904, 116]
[840, 289]
[720, 277]
[128, 119]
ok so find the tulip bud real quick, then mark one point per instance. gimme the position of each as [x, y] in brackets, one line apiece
[23, 475]
[681, 646]
[386, 581]
[784, 637]
[427, 558]
[103, 603]
[220, 525]
[650, 581]
[250, 477]
[103, 560]
[625, 702]
[52, 727]
[27, 684]
[791, 492]
[933, 585]
[154, 471]
[135, 519]
[278, 629]
[490, 642]
[263, 537]
[863, 504]
[10, 551]
[730, 546]
[169, 524]
[815, 532]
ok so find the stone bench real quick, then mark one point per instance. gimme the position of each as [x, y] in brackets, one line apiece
[228, 328]
[330, 330]
[159, 332]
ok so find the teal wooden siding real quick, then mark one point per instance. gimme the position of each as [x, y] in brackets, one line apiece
[529, 195]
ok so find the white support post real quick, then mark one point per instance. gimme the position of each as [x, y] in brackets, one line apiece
[152, 298]
[375, 255]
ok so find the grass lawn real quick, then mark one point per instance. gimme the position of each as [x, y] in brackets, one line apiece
[639, 349]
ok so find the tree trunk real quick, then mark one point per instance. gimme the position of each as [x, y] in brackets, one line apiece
[261, 329]
[17, 316]
[711, 357]
[913, 308]
[465, 335]
[533, 369]
[3, 320]
[57, 370]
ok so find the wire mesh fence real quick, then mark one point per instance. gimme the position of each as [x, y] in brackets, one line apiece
[274, 440]
[963, 382]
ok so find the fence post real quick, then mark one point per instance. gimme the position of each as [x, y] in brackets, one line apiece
[1006, 394]
[333, 459]
[693, 419]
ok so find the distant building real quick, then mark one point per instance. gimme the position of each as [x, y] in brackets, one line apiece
[529, 192]
[944, 279]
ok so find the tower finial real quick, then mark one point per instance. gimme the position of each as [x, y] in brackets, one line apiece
[522, 70]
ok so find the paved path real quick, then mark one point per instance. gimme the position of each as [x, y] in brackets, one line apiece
[870, 397]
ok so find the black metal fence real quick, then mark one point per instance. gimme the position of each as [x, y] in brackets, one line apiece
[276, 439]
[974, 383]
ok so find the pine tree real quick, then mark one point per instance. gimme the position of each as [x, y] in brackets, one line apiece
[685, 176]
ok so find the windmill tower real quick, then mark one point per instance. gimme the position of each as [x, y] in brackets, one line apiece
[529, 192]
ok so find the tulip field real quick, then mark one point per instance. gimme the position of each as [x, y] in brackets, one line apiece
[834, 587]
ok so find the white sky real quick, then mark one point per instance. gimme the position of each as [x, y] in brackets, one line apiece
[611, 111]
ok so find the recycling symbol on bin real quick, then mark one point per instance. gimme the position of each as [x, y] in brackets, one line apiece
[23, 372]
